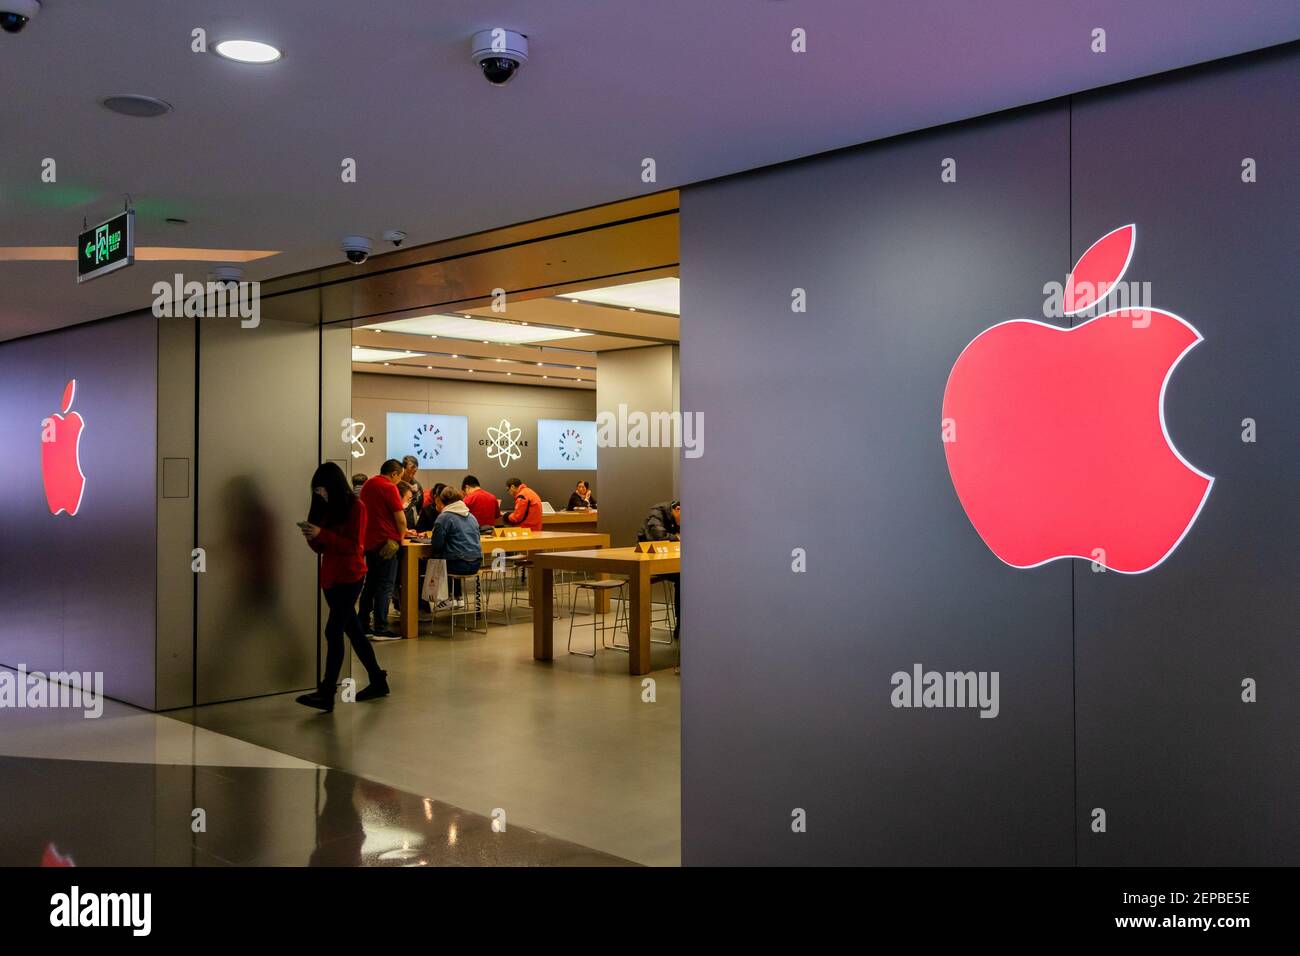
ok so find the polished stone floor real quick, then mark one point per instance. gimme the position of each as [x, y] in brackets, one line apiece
[481, 756]
[568, 748]
[113, 813]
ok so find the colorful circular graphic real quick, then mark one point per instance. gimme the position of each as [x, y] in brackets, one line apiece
[570, 444]
[428, 441]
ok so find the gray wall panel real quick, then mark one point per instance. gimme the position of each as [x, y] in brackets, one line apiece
[635, 479]
[259, 421]
[1188, 773]
[823, 433]
[176, 443]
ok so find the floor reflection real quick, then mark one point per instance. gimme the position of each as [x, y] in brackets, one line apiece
[98, 813]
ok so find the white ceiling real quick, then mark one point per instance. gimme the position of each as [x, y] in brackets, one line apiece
[251, 155]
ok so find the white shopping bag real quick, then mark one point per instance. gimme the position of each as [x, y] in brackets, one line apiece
[435, 581]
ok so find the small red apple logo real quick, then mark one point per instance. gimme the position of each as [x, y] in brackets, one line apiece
[1056, 440]
[61, 456]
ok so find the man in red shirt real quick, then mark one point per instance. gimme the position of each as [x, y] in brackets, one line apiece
[385, 529]
[483, 505]
[528, 506]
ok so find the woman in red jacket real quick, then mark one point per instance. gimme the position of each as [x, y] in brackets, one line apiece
[335, 529]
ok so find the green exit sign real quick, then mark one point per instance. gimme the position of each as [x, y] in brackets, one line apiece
[106, 248]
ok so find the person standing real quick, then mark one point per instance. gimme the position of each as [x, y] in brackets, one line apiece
[582, 498]
[528, 506]
[334, 529]
[358, 480]
[385, 529]
[482, 504]
[411, 465]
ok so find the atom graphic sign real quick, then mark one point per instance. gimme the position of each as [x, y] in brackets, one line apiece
[503, 443]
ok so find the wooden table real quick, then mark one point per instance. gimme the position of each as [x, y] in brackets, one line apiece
[570, 521]
[636, 567]
[414, 550]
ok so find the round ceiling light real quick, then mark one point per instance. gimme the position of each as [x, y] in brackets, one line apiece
[247, 51]
[133, 104]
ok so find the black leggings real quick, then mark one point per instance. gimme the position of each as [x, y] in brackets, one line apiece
[342, 601]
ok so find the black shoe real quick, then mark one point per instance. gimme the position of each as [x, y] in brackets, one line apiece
[378, 688]
[322, 698]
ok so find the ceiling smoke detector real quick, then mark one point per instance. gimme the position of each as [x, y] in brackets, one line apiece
[135, 104]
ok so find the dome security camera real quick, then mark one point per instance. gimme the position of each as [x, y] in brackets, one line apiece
[357, 248]
[14, 14]
[499, 53]
[396, 237]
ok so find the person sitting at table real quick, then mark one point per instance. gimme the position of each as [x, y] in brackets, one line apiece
[456, 539]
[664, 523]
[482, 504]
[582, 498]
[430, 512]
[528, 506]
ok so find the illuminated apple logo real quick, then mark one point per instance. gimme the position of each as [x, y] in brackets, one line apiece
[61, 456]
[1055, 438]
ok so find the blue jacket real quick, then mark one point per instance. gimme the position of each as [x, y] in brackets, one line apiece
[455, 534]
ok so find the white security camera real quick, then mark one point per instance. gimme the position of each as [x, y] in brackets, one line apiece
[14, 14]
[396, 237]
[499, 53]
[356, 248]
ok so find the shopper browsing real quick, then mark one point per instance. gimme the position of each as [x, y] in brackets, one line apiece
[334, 529]
[385, 529]
[528, 506]
[482, 504]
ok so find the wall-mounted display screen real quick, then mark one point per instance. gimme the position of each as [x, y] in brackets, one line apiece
[438, 441]
[564, 445]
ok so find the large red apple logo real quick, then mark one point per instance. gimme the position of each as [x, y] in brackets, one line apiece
[61, 456]
[1056, 439]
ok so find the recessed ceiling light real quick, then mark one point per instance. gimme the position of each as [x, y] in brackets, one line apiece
[539, 364]
[655, 295]
[455, 356]
[247, 51]
[133, 104]
[577, 330]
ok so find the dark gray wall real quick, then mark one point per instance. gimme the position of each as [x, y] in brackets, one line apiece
[77, 593]
[1188, 773]
[484, 403]
[632, 480]
[786, 686]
